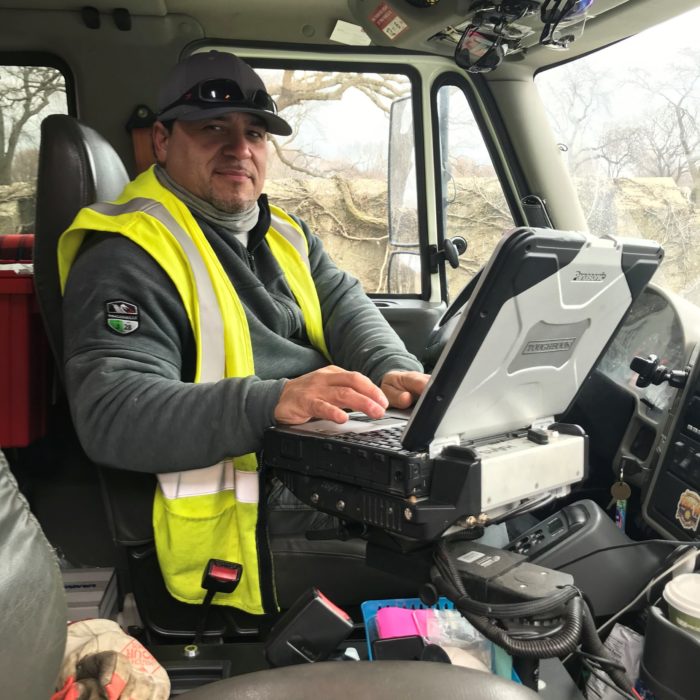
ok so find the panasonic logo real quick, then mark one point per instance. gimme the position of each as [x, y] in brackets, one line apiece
[589, 276]
[558, 345]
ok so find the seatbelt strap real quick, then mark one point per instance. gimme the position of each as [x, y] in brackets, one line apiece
[139, 127]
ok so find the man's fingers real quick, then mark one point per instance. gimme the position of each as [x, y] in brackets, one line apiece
[346, 397]
[325, 393]
[327, 411]
[403, 388]
[399, 399]
[415, 382]
[350, 384]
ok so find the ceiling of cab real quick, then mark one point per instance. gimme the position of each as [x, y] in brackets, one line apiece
[435, 26]
[141, 7]
[401, 24]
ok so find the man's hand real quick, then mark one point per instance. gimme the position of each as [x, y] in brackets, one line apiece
[325, 393]
[403, 388]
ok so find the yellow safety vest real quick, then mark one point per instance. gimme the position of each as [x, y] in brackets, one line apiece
[209, 513]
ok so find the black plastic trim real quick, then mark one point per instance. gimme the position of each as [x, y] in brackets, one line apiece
[635, 267]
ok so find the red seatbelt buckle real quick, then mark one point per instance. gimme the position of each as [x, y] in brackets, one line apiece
[221, 576]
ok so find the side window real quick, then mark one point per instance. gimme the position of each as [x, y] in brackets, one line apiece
[333, 171]
[27, 95]
[473, 204]
[627, 121]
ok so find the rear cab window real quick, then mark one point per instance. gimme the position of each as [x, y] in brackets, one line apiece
[28, 93]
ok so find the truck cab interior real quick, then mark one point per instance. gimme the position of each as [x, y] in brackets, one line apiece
[423, 131]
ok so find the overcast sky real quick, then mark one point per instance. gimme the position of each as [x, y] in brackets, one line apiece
[651, 48]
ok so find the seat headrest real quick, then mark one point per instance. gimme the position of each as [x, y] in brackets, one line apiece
[77, 167]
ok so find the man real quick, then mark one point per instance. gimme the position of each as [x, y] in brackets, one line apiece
[196, 315]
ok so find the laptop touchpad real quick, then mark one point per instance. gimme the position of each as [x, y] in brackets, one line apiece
[328, 427]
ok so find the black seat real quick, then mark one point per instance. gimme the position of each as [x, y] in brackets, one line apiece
[33, 620]
[32, 605]
[369, 680]
[78, 167]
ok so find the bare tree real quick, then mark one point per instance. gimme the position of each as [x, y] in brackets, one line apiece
[663, 153]
[618, 148]
[24, 164]
[296, 91]
[24, 92]
[574, 103]
[297, 87]
[663, 140]
[671, 131]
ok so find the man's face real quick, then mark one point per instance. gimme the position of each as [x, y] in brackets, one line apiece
[222, 160]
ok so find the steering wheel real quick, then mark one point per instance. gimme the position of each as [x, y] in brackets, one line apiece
[446, 325]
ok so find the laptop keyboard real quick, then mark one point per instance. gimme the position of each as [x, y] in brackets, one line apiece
[388, 438]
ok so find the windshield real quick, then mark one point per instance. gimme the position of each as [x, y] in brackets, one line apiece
[627, 120]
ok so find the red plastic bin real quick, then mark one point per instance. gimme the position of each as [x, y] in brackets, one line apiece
[24, 362]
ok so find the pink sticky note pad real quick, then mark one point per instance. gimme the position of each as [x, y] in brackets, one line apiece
[401, 622]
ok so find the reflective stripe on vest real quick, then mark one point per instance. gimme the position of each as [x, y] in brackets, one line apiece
[207, 480]
[290, 243]
[210, 512]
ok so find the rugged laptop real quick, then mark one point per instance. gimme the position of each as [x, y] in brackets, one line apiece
[545, 308]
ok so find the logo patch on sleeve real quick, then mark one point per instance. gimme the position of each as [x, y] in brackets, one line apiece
[122, 317]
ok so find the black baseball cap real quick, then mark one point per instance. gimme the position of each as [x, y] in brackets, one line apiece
[185, 93]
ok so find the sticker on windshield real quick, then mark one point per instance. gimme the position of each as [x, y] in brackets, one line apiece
[688, 510]
[122, 316]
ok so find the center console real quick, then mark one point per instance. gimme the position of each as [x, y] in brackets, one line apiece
[672, 501]
[582, 540]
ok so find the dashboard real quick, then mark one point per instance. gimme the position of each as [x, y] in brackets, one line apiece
[652, 326]
[654, 431]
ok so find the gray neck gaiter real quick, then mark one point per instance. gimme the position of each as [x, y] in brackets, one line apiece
[238, 224]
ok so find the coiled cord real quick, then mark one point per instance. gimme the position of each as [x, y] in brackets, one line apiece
[577, 630]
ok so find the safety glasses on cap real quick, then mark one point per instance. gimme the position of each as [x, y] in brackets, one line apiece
[220, 92]
[479, 52]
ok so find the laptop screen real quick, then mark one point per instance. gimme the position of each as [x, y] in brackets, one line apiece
[546, 306]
